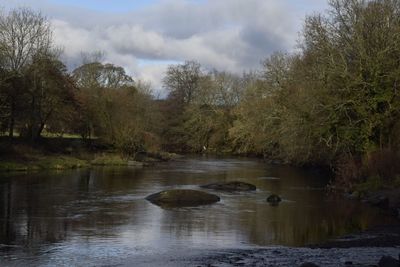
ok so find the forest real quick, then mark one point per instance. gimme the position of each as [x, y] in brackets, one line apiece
[334, 101]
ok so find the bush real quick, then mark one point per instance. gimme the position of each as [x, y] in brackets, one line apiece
[348, 172]
[372, 183]
[130, 144]
[383, 164]
[109, 160]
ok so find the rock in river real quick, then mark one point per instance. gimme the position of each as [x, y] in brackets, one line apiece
[182, 198]
[274, 199]
[231, 186]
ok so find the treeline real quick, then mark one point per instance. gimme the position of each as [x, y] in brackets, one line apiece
[333, 102]
[336, 102]
[38, 94]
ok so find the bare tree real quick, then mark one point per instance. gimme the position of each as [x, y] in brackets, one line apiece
[23, 35]
[182, 81]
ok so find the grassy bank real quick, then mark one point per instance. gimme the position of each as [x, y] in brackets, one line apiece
[51, 162]
[67, 153]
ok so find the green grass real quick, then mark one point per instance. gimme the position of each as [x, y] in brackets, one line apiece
[109, 160]
[63, 162]
[60, 163]
[12, 166]
[59, 135]
[44, 163]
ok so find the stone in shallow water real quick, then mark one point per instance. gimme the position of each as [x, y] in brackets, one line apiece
[274, 199]
[230, 186]
[182, 198]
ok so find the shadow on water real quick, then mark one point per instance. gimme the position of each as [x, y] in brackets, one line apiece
[101, 212]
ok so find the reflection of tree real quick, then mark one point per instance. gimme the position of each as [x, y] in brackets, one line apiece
[287, 224]
[297, 225]
[7, 232]
[46, 208]
[39, 209]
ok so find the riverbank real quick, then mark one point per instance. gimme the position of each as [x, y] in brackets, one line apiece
[378, 246]
[67, 153]
[293, 257]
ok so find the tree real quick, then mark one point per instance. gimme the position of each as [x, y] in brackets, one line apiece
[95, 80]
[98, 75]
[336, 102]
[134, 120]
[182, 82]
[356, 47]
[51, 93]
[23, 35]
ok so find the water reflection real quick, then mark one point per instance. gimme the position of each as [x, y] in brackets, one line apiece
[53, 216]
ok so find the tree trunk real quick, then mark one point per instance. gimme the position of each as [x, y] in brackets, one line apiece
[12, 119]
[39, 131]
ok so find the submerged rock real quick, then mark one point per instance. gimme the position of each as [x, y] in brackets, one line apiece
[274, 199]
[388, 261]
[182, 198]
[230, 186]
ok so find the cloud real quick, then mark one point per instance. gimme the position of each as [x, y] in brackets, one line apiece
[232, 35]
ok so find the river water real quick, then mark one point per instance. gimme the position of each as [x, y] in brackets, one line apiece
[99, 216]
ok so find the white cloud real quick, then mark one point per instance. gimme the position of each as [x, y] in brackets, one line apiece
[232, 35]
[154, 75]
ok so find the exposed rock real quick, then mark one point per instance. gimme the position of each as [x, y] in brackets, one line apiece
[274, 199]
[388, 261]
[231, 186]
[182, 198]
[309, 264]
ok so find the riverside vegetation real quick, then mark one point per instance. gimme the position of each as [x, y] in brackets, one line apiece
[334, 102]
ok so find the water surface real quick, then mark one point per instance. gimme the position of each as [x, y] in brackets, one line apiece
[100, 217]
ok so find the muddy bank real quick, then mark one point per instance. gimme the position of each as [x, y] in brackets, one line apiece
[359, 249]
[379, 236]
[271, 257]
[297, 256]
[364, 249]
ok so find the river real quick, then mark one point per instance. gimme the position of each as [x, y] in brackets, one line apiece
[99, 216]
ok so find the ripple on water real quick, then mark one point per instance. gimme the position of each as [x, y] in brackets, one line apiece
[271, 178]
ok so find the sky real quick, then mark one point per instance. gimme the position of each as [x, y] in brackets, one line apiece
[145, 36]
